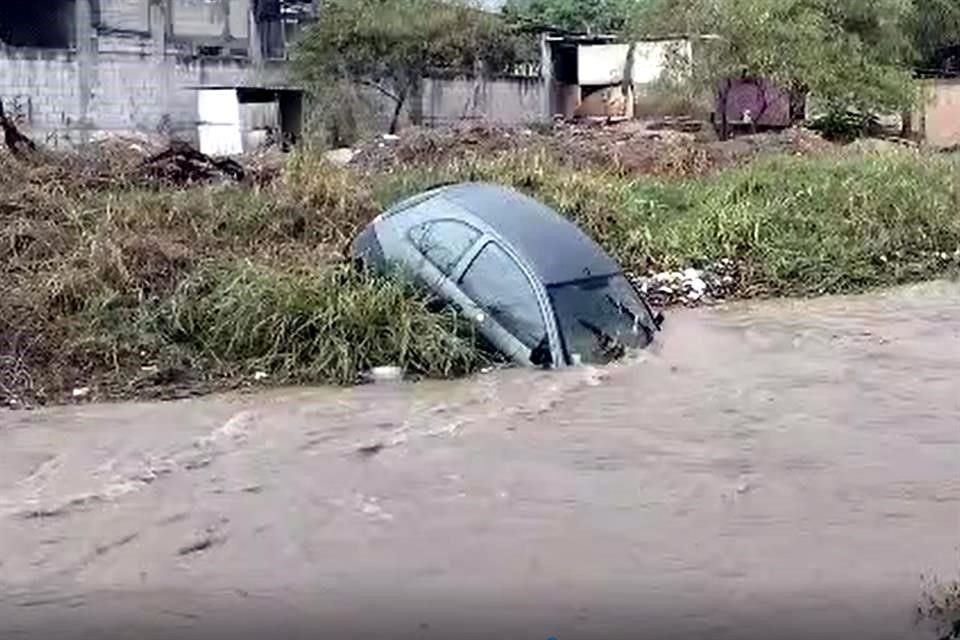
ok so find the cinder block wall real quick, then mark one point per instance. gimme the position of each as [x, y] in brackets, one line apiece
[39, 88]
[130, 90]
[123, 75]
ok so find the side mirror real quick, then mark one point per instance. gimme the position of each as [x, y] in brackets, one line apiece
[541, 356]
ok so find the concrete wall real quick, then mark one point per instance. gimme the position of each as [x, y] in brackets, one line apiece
[129, 87]
[507, 101]
[604, 64]
[124, 88]
[940, 116]
[131, 15]
[133, 70]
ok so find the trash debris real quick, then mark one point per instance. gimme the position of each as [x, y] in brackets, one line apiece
[181, 164]
[80, 392]
[386, 374]
[340, 157]
[672, 147]
[371, 449]
[260, 376]
[691, 286]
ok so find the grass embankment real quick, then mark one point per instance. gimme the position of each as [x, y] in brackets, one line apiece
[131, 288]
[794, 226]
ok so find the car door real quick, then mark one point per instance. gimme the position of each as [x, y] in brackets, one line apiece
[504, 303]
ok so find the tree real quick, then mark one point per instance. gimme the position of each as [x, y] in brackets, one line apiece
[850, 54]
[935, 27]
[576, 16]
[390, 45]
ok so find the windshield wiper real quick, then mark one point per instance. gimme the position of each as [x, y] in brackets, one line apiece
[610, 346]
[637, 322]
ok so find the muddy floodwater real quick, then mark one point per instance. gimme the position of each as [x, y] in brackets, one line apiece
[772, 470]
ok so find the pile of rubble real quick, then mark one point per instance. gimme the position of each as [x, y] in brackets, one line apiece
[181, 164]
[632, 147]
[132, 157]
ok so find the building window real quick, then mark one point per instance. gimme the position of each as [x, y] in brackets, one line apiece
[29, 23]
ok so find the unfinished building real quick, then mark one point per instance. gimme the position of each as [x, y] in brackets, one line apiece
[72, 70]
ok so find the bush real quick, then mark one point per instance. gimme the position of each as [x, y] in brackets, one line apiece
[314, 324]
[845, 126]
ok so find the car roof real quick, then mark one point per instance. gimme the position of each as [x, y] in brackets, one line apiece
[556, 249]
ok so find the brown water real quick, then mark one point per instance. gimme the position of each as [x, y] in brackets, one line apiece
[776, 470]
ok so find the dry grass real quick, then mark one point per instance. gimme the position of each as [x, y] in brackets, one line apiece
[940, 606]
[113, 283]
[795, 225]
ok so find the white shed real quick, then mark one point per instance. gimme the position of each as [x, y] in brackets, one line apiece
[235, 120]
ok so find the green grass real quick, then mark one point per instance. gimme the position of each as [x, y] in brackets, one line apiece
[326, 324]
[796, 226]
[128, 286]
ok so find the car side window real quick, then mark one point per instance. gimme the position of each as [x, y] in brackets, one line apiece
[495, 282]
[444, 242]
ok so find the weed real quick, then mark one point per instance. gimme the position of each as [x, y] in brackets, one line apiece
[940, 605]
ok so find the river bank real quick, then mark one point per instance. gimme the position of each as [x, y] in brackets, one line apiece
[117, 286]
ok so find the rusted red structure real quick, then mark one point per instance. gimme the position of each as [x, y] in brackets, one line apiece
[756, 103]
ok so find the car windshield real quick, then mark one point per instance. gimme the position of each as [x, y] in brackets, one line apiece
[601, 319]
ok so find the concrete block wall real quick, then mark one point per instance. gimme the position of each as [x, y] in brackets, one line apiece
[209, 19]
[130, 69]
[129, 91]
[39, 88]
[505, 101]
[131, 15]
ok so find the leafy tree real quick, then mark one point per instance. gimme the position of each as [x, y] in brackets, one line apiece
[390, 45]
[935, 26]
[850, 54]
[577, 16]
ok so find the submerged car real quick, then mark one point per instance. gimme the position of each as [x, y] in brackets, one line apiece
[538, 288]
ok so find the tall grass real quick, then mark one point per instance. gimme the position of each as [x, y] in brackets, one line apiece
[122, 285]
[314, 324]
[797, 226]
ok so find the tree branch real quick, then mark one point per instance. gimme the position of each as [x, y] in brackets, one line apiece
[374, 85]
